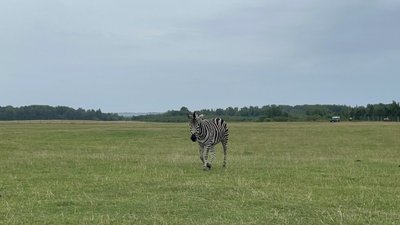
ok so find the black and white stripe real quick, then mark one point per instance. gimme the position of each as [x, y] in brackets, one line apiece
[208, 133]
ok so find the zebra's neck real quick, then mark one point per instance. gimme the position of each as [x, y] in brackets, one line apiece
[200, 131]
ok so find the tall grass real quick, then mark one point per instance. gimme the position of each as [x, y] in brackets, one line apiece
[150, 173]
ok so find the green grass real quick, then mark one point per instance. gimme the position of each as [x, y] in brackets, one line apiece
[150, 173]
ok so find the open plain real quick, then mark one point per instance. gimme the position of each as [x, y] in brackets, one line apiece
[76, 172]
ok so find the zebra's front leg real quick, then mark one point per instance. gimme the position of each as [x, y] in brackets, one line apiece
[201, 150]
[206, 164]
[212, 157]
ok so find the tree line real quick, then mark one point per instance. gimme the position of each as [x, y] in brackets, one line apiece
[286, 113]
[45, 112]
[267, 113]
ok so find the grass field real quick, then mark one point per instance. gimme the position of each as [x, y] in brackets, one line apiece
[149, 173]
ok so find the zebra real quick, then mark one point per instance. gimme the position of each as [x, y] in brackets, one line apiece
[208, 133]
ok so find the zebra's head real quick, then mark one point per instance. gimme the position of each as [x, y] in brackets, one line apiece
[194, 123]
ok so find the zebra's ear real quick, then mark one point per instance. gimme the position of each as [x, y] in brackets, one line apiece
[201, 116]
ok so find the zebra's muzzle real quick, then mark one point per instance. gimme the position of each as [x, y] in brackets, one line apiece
[193, 138]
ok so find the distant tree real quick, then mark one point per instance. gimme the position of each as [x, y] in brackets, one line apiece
[358, 113]
[184, 110]
[244, 111]
[230, 111]
[254, 111]
[394, 110]
[370, 112]
[80, 114]
[379, 111]
[274, 111]
[219, 112]
[7, 113]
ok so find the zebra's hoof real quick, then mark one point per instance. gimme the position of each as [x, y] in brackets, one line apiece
[209, 165]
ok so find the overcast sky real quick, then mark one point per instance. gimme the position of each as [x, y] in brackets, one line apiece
[156, 55]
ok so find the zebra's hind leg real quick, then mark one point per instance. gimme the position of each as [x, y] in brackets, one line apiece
[225, 146]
